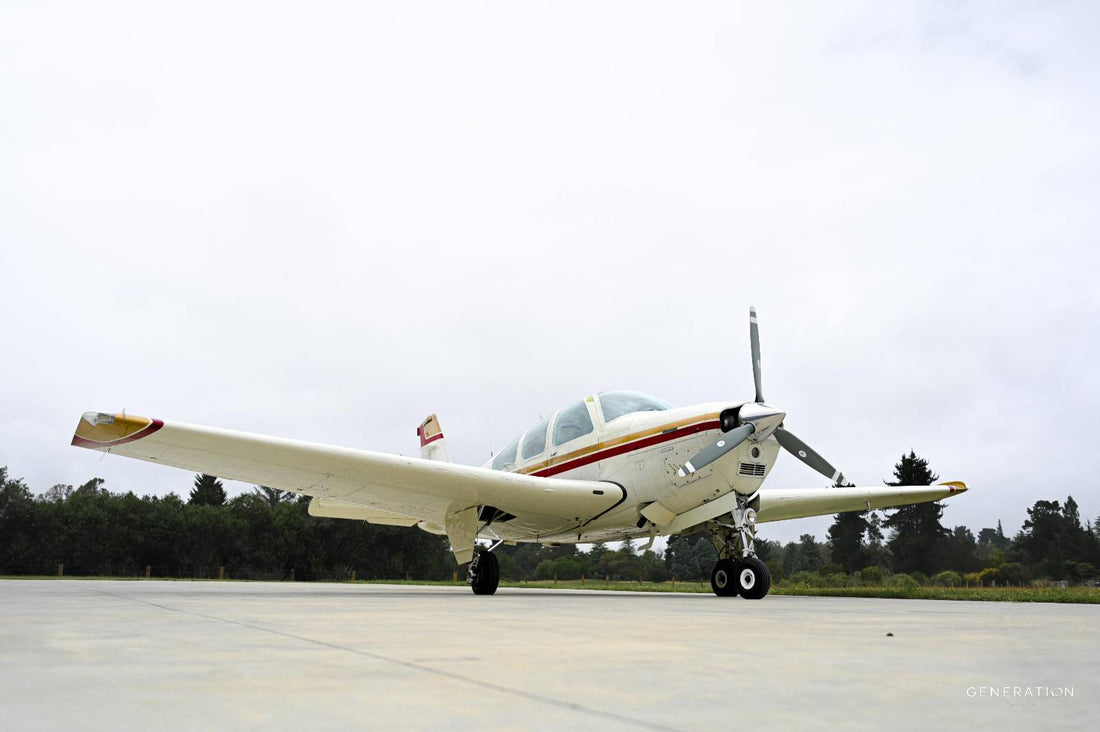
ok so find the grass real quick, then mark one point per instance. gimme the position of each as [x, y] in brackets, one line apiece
[1086, 595]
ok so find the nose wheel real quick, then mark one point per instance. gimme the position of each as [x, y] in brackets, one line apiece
[738, 570]
[748, 578]
[753, 578]
[723, 578]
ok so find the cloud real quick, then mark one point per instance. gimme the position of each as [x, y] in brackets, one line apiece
[327, 222]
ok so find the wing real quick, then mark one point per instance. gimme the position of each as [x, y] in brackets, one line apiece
[781, 504]
[389, 488]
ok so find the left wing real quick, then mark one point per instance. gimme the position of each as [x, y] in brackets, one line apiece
[391, 486]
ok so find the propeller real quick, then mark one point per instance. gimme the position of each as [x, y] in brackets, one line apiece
[807, 454]
[757, 421]
[754, 346]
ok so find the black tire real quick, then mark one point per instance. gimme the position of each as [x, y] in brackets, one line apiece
[486, 575]
[753, 579]
[723, 578]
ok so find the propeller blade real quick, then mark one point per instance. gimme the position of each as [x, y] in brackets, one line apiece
[716, 449]
[754, 343]
[806, 454]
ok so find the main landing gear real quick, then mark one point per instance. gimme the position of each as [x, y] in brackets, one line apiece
[738, 570]
[483, 573]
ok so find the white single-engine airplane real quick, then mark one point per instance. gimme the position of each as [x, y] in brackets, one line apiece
[617, 465]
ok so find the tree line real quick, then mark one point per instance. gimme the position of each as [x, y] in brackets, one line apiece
[268, 534]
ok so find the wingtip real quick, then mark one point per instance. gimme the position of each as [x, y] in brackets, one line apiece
[955, 486]
[99, 430]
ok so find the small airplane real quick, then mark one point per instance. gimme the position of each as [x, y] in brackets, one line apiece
[613, 466]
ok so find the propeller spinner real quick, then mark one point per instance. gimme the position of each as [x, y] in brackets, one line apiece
[757, 421]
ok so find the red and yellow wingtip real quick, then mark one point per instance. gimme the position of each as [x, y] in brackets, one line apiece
[955, 486]
[98, 430]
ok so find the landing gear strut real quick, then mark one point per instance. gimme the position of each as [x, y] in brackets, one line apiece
[483, 573]
[738, 570]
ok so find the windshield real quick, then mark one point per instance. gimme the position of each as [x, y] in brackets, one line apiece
[619, 403]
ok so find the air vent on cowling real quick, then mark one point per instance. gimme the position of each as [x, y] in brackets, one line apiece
[753, 470]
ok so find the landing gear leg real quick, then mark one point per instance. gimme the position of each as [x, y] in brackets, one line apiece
[483, 573]
[739, 571]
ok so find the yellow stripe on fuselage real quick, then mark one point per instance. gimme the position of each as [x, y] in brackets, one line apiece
[558, 460]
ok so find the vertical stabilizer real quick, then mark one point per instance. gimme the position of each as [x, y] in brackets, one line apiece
[432, 444]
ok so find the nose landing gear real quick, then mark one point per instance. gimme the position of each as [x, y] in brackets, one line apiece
[738, 570]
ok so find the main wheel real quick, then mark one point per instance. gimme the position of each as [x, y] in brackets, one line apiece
[486, 574]
[723, 578]
[753, 579]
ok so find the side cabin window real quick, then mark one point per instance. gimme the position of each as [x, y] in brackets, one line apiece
[534, 442]
[616, 404]
[506, 456]
[572, 422]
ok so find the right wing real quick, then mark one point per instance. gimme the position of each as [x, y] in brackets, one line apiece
[785, 503]
[781, 504]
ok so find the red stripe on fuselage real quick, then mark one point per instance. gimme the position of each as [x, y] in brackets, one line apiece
[628, 447]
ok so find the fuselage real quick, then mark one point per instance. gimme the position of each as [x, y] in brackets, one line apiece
[637, 451]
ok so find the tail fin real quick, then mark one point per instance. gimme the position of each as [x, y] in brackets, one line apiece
[432, 444]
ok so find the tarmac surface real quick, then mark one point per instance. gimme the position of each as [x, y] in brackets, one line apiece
[229, 655]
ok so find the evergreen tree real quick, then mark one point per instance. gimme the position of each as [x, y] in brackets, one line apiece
[1052, 540]
[846, 536]
[274, 496]
[877, 554]
[207, 491]
[92, 486]
[918, 540]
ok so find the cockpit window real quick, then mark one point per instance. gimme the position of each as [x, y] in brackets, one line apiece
[572, 422]
[535, 440]
[618, 403]
[506, 456]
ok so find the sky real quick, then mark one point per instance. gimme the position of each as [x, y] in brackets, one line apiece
[325, 221]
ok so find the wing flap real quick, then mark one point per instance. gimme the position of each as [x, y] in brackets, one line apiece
[335, 508]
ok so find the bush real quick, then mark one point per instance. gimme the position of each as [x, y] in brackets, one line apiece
[1013, 573]
[988, 577]
[903, 582]
[809, 579]
[1080, 572]
[838, 579]
[972, 578]
[873, 576]
[920, 578]
[947, 579]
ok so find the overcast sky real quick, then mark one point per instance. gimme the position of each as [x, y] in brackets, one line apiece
[325, 221]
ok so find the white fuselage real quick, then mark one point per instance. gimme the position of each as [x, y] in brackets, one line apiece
[640, 454]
